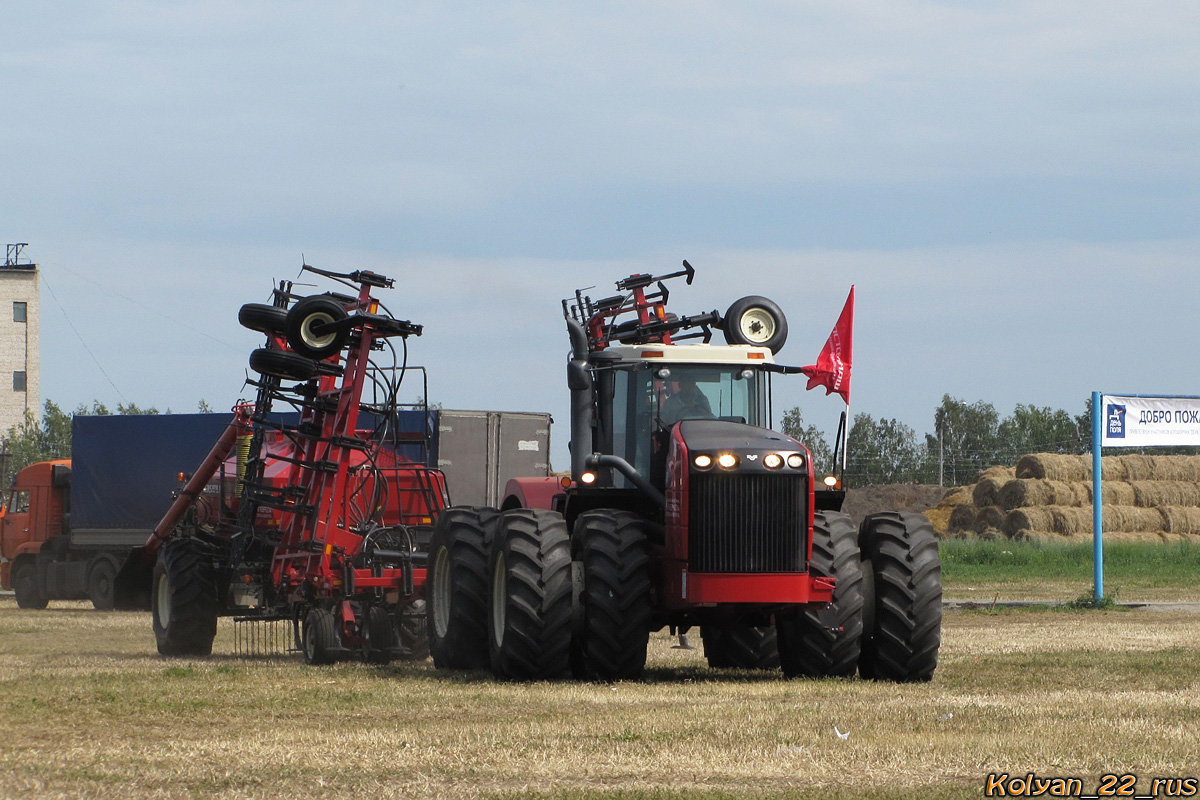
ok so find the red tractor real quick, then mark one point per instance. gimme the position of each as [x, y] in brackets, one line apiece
[309, 516]
[684, 508]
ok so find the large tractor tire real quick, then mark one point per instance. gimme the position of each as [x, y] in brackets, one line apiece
[612, 627]
[25, 584]
[319, 637]
[458, 590]
[740, 646]
[755, 321]
[184, 600]
[308, 327]
[100, 582]
[826, 642]
[903, 579]
[531, 609]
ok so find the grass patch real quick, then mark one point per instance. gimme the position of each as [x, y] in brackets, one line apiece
[1145, 571]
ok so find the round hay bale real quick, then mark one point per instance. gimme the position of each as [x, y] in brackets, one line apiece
[1137, 467]
[1070, 520]
[1020, 520]
[1181, 520]
[1154, 494]
[1022, 492]
[1001, 474]
[962, 496]
[1115, 493]
[939, 518]
[1112, 468]
[1054, 466]
[1038, 537]
[1131, 519]
[987, 491]
[989, 518]
[962, 518]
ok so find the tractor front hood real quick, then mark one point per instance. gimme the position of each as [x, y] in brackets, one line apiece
[752, 448]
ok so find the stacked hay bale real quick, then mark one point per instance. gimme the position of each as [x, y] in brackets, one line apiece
[1049, 497]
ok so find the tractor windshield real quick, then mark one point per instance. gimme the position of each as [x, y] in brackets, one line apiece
[648, 399]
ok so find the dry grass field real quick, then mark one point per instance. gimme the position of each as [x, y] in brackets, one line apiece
[88, 710]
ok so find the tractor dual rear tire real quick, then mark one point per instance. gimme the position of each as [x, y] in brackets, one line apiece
[740, 646]
[903, 630]
[531, 605]
[612, 627]
[184, 603]
[826, 642]
[458, 589]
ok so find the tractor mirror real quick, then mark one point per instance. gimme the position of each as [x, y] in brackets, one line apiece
[578, 377]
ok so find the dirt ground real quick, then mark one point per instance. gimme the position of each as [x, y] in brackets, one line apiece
[898, 497]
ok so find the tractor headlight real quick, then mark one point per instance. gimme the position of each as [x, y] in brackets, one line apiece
[772, 461]
[795, 461]
[727, 460]
[702, 461]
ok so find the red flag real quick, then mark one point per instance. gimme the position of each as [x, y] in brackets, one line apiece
[832, 369]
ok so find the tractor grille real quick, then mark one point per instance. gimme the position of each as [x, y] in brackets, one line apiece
[747, 523]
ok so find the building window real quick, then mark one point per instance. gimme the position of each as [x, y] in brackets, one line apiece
[18, 381]
[19, 312]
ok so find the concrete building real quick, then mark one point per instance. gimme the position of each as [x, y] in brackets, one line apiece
[19, 341]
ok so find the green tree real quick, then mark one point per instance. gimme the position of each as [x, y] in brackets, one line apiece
[1038, 430]
[969, 436]
[884, 451]
[811, 437]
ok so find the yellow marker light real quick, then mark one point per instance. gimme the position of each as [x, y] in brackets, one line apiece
[795, 461]
[588, 478]
[727, 460]
[772, 461]
[703, 462]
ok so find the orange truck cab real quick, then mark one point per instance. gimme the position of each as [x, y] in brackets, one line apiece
[34, 513]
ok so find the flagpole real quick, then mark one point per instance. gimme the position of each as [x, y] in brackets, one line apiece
[845, 438]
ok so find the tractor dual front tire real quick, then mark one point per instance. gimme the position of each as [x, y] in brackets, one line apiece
[458, 589]
[903, 629]
[531, 607]
[184, 601]
[826, 642]
[612, 627]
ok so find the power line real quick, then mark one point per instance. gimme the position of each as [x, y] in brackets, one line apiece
[82, 341]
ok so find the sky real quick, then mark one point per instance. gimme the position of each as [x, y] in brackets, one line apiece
[1012, 187]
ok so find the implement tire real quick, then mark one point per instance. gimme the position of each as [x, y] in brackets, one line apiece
[380, 639]
[826, 642]
[313, 314]
[282, 364]
[612, 628]
[262, 317]
[457, 595]
[740, 646]
[184, 603]
[903, 630]
[320, 638]
[531, 608]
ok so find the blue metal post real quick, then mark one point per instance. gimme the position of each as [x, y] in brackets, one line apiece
[1097, 497]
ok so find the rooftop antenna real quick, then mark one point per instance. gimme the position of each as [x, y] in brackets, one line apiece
[13, 253]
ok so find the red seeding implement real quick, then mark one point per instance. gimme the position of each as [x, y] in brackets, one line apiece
[312, 515]
[684, 508]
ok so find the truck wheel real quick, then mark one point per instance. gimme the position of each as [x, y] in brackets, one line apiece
[380, 639]
[100, 585]
[756, 321]
[319, 637]
[312, 313]
[412, 631]
[184, 600]
[740, 646]
[457, 591]
[262, 317]
[903, 623]
[826, 641]
[531, 609]
[25, 584]
[282, 364]
[612, 627]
